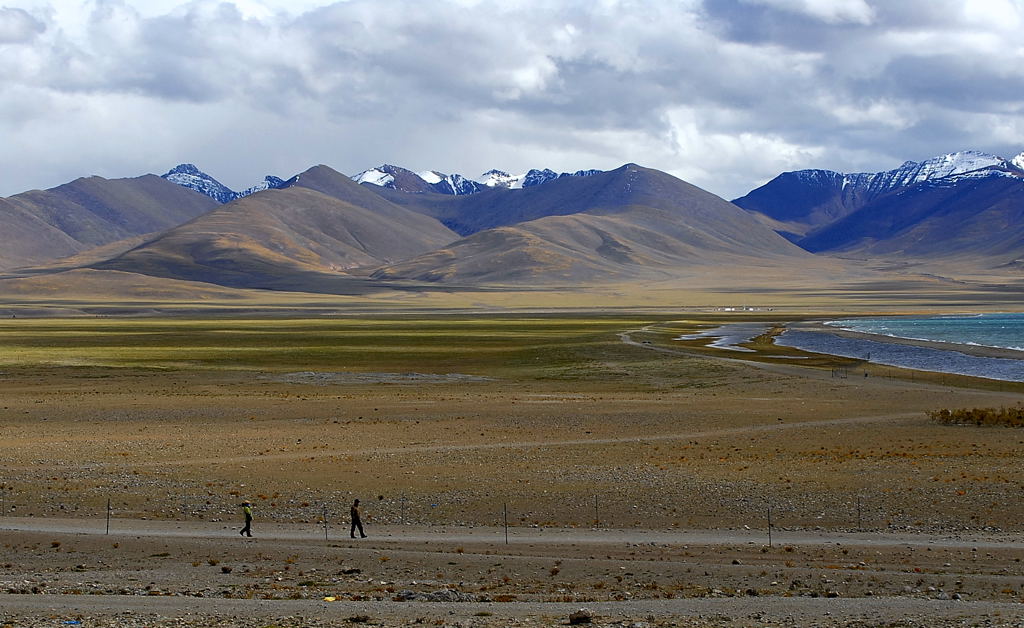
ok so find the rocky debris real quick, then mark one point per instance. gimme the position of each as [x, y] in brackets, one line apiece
[582, 616]
[442, 595]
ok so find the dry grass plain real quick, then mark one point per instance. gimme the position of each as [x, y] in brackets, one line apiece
[637, 472]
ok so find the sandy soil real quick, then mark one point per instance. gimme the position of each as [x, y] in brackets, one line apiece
[643, 496]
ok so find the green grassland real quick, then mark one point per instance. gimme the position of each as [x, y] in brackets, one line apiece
[488, 346]
[533, 347]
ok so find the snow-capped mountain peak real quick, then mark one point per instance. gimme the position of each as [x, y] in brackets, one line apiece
[495, 178]
[1018, 161]
[912, 172]
[957, 163]
[189, 176]
[396, 178]
[500, 178]
[375, 176]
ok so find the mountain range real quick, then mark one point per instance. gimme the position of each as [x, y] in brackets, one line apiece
[323, 231]
[959, 204]
[385, 176]
[396, 178]
[189, 176]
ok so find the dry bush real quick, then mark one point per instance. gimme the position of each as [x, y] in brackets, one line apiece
[987, 417]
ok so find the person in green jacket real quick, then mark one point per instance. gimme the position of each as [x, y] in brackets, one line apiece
[247, 511]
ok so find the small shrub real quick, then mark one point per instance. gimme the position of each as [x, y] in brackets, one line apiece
[982, 417]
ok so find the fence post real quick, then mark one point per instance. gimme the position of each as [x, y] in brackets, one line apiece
[504, 512]
[108, 515]
[769, 524]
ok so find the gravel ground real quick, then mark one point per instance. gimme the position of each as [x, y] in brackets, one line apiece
[150, 573]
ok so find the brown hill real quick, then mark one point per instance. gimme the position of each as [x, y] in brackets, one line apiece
[291, 238]
[629, 223]
[43, 225]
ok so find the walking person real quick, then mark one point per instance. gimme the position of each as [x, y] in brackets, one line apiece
[357, 521]
[247, 511]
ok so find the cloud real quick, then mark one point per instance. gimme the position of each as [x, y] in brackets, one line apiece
[18, 27]
[828, 11]
[726, 93]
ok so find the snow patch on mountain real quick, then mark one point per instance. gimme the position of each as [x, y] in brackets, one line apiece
[189, 176]
[457, 184]
[373, 176]
[501, 179]
[269, 182]
[397, 178]
[912, 172]
[431, 177]
[1018, 161]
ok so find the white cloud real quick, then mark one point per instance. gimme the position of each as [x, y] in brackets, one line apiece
[828, 11]
[17, 26]
[724, 93]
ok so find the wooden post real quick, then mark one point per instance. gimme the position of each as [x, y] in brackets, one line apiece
[504, 512]
[859, 526]
[325, 523]
[401, 517]
[597, 517]
[108, 515]
[769, 524]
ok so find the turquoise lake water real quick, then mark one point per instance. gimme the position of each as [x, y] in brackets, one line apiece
[986, 330]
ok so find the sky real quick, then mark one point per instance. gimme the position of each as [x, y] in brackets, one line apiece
[725, 94]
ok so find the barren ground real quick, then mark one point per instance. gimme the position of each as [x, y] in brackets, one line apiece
[637, 481]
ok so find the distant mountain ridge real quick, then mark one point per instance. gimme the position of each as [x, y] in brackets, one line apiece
[967, 204]
[312, 233]
[388, 227]
[325, 231]
[800, 202]
[624, 224]
[976, 214]
[403, 180]
[189, 176]
[384, 176]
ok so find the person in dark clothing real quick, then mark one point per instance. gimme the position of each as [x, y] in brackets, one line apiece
[357, 521]
[247, 510]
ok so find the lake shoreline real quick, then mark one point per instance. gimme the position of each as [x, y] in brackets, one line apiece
[923, 355]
